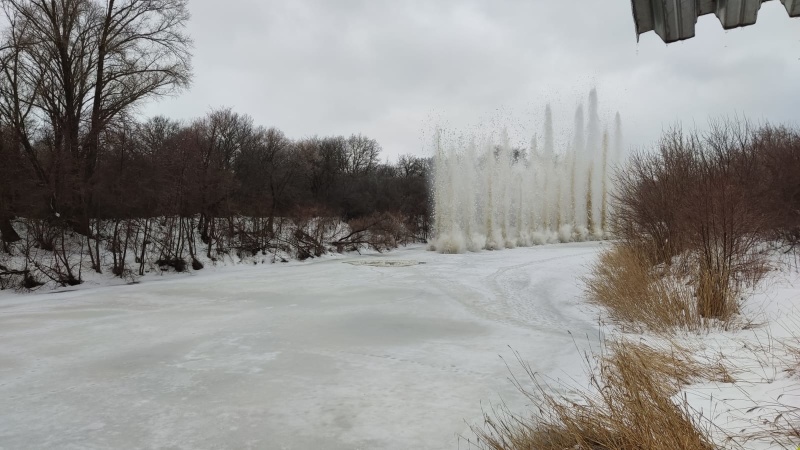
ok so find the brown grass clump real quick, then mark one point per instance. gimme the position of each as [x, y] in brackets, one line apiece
[674, 366]
[625, 281]
[629, 406]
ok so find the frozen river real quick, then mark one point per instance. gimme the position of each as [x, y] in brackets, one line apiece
[310, 355]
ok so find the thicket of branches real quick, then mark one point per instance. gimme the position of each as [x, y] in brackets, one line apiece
[88, 177]
[703, 209]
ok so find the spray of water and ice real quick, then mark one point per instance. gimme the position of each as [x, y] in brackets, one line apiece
[491, 196]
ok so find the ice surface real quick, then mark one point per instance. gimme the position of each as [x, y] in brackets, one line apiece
[297, 356]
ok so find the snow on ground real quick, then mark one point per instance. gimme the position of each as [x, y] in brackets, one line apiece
[320, 354]
[398, 350]
[763, 360]
[761, 353]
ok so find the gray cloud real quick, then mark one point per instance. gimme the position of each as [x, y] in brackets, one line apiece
[394, 69]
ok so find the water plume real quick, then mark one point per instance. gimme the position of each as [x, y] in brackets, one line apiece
[490, 196]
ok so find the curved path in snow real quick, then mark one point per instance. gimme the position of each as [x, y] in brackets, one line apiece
[296, 356]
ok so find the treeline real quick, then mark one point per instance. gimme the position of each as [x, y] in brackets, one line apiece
[84, 183]
[164, 194]
[222, 165]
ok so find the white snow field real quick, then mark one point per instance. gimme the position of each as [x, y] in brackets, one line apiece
[314, 355]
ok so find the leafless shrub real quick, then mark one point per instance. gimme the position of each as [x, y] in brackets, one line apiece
[776, 153]
[649, 195]
[723, 221]
[380, 231]
[700, 197]
[169, 242]
[41, 233]
[17, 278]
[313, 228]
[254, 234]
[60, 260]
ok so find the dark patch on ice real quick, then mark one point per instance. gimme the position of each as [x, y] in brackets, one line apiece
[384, 262]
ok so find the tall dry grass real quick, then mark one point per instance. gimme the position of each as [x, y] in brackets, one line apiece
[629, 405]
[641, 295]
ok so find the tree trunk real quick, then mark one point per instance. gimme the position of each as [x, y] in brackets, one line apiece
[203, 226]
[7, 232]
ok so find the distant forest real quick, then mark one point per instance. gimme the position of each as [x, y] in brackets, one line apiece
[218, 166]
[79, 169]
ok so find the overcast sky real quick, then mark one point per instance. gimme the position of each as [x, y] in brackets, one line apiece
[395, 69]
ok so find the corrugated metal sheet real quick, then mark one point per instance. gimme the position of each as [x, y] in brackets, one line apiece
[737, 13]
[793, 7]
[675, 20]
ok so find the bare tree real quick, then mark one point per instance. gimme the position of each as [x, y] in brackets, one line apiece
[411, 166]
[219, 139]
[70, 67]
[324, 160]
[265, 171]
[362, 154]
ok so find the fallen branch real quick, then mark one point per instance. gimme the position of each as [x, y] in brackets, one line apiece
[14, 272]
